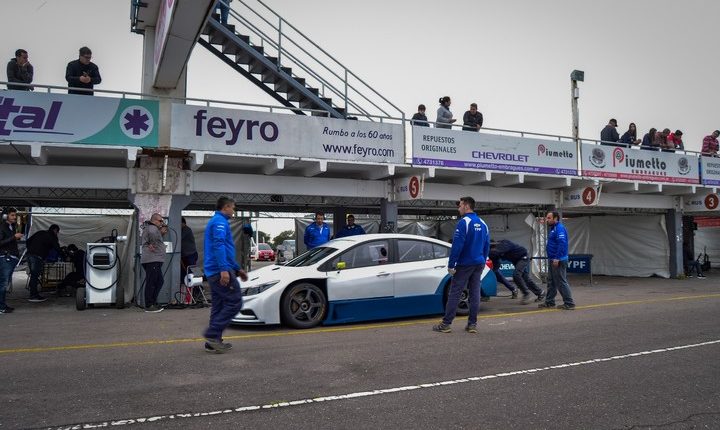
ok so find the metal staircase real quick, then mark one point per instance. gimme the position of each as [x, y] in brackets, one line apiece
[273, 54]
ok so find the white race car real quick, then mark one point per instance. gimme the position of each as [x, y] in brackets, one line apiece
[356, 278]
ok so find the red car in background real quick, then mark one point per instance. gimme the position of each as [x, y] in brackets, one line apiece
[265, 252]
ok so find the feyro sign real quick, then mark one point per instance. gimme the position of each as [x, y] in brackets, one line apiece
[580, 197]
[410, 188]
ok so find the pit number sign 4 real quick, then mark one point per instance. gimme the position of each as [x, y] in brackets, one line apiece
[410, 188]
[581, 197]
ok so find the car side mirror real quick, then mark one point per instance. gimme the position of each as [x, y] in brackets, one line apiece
[340, 265]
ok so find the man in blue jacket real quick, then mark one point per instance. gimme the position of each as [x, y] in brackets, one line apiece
[220, 270]
[351, 229]
[317, 233]
[557, 253]
[470, 247]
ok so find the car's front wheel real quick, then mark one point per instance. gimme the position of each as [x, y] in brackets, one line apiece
[303, 306]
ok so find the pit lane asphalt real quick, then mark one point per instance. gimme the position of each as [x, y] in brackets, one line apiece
[62, 367]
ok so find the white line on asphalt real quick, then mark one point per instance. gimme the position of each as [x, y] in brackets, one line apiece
[241, 409]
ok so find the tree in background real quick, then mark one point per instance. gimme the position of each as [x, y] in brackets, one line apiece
[285, 235]
[263, 237]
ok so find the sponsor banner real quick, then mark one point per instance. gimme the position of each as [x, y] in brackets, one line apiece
[581, 197]
[470, 150]
[710, 168]
[410, 188]
[707, 222]
[264, 133]
[701, 203]
[66, 118]
[614, 162]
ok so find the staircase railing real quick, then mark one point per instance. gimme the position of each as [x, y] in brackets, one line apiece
[294, 49]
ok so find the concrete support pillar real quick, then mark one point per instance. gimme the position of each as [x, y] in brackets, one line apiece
[160, 185]
[673, 221]
[339, 221]
[388, 216]
[180, 91]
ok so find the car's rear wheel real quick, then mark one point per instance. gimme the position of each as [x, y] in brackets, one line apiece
[303, 306]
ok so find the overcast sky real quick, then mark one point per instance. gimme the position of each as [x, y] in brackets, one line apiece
[652, 62]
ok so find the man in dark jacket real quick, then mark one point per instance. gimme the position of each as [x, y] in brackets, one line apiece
[420, 119]
[472, 120]
[9, 254]
[38, 248]
[82, 73]
[609, 135]
[518, 256]
[20, 70]
[351, 229]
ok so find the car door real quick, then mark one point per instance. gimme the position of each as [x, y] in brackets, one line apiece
[420, 268]
[367, 273]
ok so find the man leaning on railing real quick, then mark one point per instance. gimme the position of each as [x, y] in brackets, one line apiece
[20, 70]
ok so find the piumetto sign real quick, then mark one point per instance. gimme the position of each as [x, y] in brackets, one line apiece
[264, 133]
[613, 162]
[65, 118]
[472, 150]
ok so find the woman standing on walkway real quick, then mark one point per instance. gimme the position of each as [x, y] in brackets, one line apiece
[444, 116]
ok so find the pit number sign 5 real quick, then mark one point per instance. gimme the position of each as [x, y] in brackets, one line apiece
[409, 188]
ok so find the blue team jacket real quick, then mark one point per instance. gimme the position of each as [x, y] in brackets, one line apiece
[350, 231]
[471, 242]
[219, 247]
[316, 236]
[557, 243]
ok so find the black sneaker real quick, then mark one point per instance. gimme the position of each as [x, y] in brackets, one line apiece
[216, 347]
[546, 305]
[566, 307]
[153, 309]
[471, 328]
[442, 328]
[702, 276]
[37, 299]
[540, 298]
[690, 276]
[514, 294]
[7, 310]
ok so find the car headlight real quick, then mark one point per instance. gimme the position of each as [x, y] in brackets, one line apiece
[251, 291]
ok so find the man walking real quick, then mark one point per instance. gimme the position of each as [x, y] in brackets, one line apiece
[470, 247]
[152, 259]
[8, 254]
[557, 253]
[38, 248]
[220, 270]
[518, 256]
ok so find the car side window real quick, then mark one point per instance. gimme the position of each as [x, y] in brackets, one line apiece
[415, 250]
[368, 254]
[440, 251]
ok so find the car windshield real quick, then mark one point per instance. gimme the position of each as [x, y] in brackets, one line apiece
[264, 247]
[311, 257]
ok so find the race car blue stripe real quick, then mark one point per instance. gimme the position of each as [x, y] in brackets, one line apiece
[346, 311]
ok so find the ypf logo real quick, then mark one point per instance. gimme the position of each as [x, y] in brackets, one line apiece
[618, 156]
[414, 187]
[541, 149]
[711, 202]
[136, 122]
